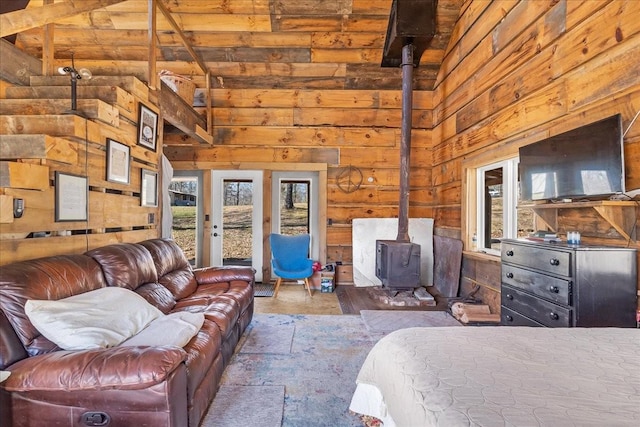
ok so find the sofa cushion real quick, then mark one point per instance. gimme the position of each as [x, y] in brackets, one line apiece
[174, 270]
[235, 289]
[54, 278]
[126, 265]
[158, 296]
[167, 255]
[222, 310]
[101, 318]
[175, 329]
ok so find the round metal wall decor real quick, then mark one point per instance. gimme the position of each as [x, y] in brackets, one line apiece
[349, 179]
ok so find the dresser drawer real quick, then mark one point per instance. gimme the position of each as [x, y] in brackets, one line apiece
[513, 318]
[549, 260]
[548, 287]
[545, 312]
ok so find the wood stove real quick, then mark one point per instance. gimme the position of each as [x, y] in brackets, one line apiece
[411, 26]
[398, 264]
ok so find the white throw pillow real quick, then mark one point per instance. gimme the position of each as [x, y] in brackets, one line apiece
[101, 318]
[173, 329]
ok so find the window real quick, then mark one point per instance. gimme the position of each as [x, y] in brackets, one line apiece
[492, 212]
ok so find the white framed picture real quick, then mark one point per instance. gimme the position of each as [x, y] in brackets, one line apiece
[70, 197]
[118, 158]
[149, 190]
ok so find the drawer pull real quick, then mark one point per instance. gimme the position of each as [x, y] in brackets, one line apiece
[509, 252]
[554, 261]
[509, 297]
[554, 289]
[509, 275]
[509, 318]
[553, 316]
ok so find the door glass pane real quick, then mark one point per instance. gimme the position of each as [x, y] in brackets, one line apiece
[494, 208]
[294, 207]
[237, 219]
[182, 192]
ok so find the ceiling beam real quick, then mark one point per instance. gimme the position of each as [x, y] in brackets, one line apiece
[194, 55]
[26, 19]
[183, 38]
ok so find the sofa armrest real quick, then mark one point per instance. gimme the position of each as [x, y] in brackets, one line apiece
[124, 368]
[209, 275]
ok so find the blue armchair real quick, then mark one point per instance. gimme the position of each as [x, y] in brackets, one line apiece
[290, 259]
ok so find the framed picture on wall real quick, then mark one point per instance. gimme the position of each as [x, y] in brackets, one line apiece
[70, 197]
[149, 189]
[118, 158]
[147, 127]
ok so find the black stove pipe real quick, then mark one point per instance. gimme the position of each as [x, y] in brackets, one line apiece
[405, 140]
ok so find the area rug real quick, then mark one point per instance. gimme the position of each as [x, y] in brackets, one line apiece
[263, 289]
[253, 405]
[318, 372]
[385, 321]
[268, 336]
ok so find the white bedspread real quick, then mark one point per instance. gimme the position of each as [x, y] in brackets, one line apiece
[502, 376]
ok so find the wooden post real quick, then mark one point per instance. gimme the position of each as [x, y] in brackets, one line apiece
[209, 102]
[48, 47]
[153, 75]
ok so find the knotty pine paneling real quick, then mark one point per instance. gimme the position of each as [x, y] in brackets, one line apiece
[244, 36]
[366, 194]
[305, 136]
[363, 125]
[282, 98]
[227, 155]
[339, 234]
[387, 177]
[520, 71]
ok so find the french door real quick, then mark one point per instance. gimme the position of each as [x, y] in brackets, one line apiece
[295, 207]
[236, 231]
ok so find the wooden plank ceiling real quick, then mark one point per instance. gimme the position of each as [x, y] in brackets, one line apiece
[253, 44]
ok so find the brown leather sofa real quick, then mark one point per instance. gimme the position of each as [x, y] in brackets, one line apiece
[119, 386]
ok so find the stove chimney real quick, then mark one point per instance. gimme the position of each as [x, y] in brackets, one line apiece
[405, 142]
[411, 28]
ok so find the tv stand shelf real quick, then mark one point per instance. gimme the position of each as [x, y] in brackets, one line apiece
[621, 214]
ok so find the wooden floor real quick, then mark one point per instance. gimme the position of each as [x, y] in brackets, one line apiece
[346, 299]
[294, 299]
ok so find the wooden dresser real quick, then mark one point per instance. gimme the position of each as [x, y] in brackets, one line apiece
[558, 285]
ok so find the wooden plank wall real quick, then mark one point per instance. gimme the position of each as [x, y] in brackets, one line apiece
[37, 140]
[338, 127]
[518, 71]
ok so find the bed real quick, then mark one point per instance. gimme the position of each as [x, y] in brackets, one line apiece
[502, 376]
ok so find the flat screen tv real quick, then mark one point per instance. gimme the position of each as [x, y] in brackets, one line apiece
[586, 163]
